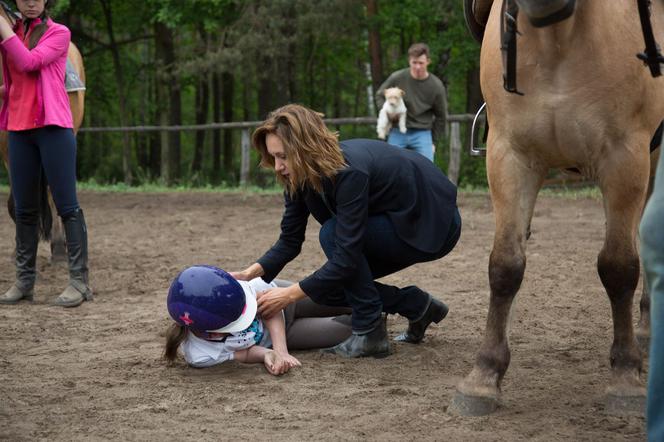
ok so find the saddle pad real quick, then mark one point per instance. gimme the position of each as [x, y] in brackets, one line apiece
[72, 80]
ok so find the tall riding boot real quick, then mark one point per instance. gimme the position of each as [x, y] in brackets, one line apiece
[27, 241]
[76, 234]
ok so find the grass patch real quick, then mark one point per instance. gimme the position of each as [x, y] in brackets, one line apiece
[160, 188]
[574, 193]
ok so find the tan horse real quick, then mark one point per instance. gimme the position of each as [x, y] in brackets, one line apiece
[587, 104]
[77, 104]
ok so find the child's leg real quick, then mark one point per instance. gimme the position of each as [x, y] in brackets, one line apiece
[306, 308]
[308, 333]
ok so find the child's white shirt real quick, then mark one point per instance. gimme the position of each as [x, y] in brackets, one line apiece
[200, 352]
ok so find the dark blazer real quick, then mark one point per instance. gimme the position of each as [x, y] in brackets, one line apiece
[379, 179]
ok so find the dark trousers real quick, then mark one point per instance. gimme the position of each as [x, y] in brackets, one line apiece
[54, 149]
[384, 253]
[310, 325]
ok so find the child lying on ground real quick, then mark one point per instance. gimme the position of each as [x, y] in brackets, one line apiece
[216, 321]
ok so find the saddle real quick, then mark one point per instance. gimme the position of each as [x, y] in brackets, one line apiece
[476, 14]
[73, 82]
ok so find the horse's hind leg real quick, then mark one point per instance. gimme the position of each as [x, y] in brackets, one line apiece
[514, 186]
[624, 190]
[58, 248]
[643, 328]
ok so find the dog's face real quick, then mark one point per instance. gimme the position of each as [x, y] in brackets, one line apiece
[394, 95]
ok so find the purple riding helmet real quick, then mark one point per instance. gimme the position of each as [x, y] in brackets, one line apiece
[207, 299]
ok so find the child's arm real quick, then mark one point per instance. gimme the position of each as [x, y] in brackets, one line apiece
[274, 362]
[277, 328]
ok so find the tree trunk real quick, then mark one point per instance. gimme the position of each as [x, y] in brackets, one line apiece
[120, 83]
[154, 137]
[175, 119]
[375, 52]
[202, 102]
[266, 87]
[201, 105]
[161, 94]
[171, 101]
[142, 140]
[216, 116]
[228, 92]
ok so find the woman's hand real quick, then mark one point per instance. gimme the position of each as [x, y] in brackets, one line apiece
[271, 301]
[253, 271]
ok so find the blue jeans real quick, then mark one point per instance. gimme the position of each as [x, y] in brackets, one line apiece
[652, 253]
[384, 253]
[419, 140]
[54, 149]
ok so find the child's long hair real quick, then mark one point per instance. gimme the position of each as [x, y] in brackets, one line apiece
[174, 337]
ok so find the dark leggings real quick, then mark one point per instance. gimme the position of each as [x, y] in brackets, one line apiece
[54, 149]
[310, 325]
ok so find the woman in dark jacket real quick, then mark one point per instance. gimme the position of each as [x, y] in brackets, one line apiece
[381, 209]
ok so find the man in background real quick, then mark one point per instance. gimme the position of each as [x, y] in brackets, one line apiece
[426, 103]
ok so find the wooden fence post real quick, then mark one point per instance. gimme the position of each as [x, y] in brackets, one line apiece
[455, 153]
[244, 163]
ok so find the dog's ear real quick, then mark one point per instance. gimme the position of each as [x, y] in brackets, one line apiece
[403, 93]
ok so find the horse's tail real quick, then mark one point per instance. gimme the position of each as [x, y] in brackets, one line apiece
[45, 215]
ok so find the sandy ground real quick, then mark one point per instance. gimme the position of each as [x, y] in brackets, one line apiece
[95, 373]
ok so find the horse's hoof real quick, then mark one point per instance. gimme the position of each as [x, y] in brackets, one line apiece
[625, 405]
[465, 405]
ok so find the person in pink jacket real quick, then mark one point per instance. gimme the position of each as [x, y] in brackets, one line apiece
[36, 113]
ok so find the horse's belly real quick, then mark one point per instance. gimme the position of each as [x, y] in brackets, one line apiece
[557, 137]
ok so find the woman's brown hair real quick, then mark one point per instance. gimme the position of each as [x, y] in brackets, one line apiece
[312, 150]
[174, 337]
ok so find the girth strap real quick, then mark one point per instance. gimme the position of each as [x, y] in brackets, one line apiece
[508, 33]
[652, 55]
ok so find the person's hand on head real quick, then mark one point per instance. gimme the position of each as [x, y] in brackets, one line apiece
[253, 271]
[272, 301]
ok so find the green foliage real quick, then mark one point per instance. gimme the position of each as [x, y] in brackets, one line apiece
[314, 52]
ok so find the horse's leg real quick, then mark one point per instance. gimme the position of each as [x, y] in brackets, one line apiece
[58, 248]
[643, 328]
[514, 184]
[624, 190]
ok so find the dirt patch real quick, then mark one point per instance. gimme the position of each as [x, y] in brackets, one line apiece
[95, 372]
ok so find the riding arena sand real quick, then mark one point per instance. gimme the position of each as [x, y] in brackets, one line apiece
[95, 372]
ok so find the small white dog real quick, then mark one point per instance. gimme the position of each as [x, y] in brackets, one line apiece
[394, 109]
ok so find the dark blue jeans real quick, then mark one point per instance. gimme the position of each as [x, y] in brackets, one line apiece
[384, 253]
[652, 253]
[54, 149]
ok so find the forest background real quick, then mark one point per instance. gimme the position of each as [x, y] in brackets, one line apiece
[174, 62]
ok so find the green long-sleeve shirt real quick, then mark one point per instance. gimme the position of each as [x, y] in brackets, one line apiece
[426, 101]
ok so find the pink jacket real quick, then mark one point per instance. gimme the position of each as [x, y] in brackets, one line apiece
[49, 57]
